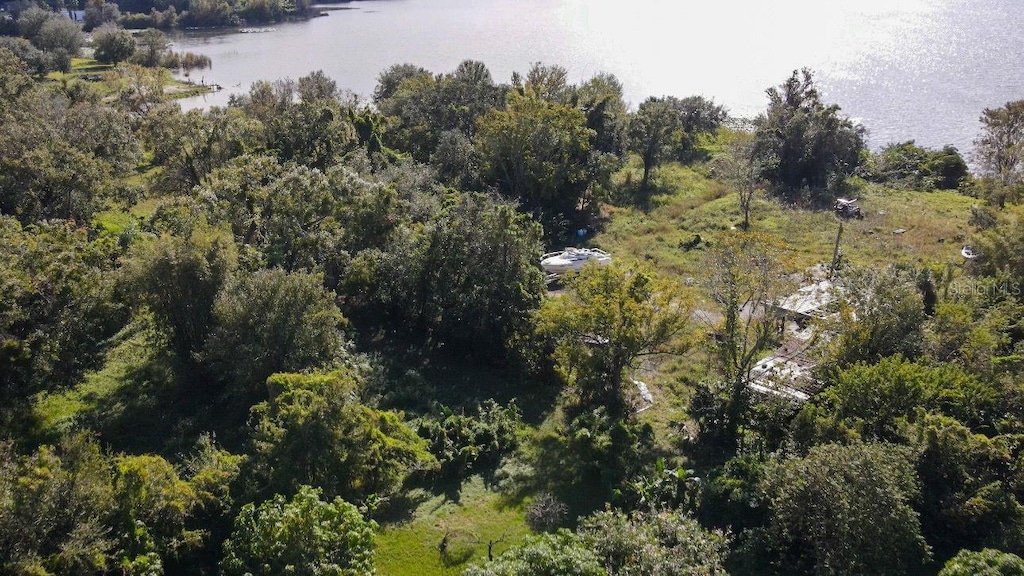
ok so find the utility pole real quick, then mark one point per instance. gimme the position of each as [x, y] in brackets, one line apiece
[835, 253]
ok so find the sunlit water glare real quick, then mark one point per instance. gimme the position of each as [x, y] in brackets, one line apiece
[906, 69]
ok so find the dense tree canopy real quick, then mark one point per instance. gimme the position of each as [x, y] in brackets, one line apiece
[537, 152]
[612, 317]
[303, 535]
[312, 430]
[667, 127]
[987, 562]
[848, 510]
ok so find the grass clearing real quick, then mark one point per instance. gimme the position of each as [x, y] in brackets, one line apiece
[57, 412]
[471, 518]
[934, 227]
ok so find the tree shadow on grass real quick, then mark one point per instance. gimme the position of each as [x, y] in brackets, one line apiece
[401, 507]
[460, 383]
[160, 407]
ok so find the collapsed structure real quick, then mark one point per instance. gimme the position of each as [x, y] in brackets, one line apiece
[787, 371]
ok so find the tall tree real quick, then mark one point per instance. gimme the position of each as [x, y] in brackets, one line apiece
[600, 98]
[987, 562]
[112, 44]
[882, 313]
[57, 309]
[468, 281]
[268, 322]
[745, 280]
[662, 542]
[314, 430]
[999, 149]
[802, 142]
[740, 168]
[179, 280]
[652, 131]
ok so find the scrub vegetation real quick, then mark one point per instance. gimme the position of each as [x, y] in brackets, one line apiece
[304, 334]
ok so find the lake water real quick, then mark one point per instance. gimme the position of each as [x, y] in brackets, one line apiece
[906, 69]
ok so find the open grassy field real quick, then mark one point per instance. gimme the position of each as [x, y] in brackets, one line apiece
[470, 517]
[934, 226]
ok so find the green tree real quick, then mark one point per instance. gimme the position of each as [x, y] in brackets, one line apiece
[62, 38]
[57, 309]
[179, 279]
[196, 143]
[268, 322]
[213, 475]
[14, 80]
[56, 507]
[139, 92]
[601, 100]
[537, 153]
[908, 165]
[23, 53]
[305, 122]
[848, 510]
[53, 33]
[98, 13]
[588, 459]
[209, 14]
[153, 506]
[464, 442]
[292, 216]
[657, 543]
[303, 535]
[745, 279]
[876, 401]
[389, 81]
[31, 21]
[802, 142]
[987, 562]
[740, 168]
[653, 132]
[152, 47]
[882, 313]
[559, 554]
[547, 82]
[112, 44]
[468, 280]
[314, 430]
[424, 107]
[611, 318]
[52, 168]
[969, 496]
[999, 149]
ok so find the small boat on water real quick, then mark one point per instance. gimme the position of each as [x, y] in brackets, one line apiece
[573, 259]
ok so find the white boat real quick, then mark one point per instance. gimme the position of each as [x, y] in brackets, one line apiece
[573, 259]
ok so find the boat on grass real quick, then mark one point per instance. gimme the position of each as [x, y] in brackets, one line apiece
[573, 260]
